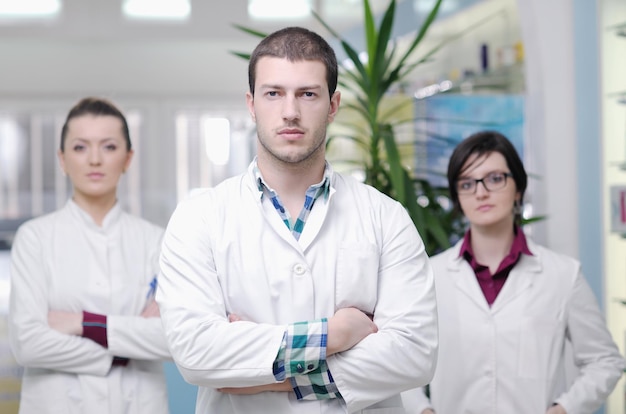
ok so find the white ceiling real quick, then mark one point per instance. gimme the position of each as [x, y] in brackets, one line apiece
[92, 49]
[210, 19]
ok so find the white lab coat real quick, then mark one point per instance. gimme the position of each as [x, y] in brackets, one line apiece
[510, 358]
[64, 261]
[228, 251]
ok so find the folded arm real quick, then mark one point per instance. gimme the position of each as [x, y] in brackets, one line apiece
[310, 380]
[33, 341]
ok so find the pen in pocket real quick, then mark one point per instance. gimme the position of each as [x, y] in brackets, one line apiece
[152, 289]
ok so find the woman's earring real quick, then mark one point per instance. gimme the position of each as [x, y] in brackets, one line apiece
[517, 208]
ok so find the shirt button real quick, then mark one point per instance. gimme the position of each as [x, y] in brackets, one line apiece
[300, 368]
[299, 269]
[310, 367]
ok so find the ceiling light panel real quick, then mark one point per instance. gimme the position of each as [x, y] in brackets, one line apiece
[279, 9]
[157, 9]
[29, 8]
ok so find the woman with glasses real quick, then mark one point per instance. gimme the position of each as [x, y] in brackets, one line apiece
[507, 306]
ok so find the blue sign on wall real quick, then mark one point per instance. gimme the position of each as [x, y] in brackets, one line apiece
[444, 120]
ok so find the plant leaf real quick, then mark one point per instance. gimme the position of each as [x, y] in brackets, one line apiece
[422, 32]
[249, 30]
[242, 55]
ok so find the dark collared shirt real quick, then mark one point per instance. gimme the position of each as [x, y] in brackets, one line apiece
[491, 284]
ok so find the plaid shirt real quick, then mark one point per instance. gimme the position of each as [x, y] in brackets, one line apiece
[302, 354]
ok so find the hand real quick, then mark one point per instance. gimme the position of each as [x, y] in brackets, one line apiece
[428, 411]
[284, 386]
[347, 328]
[232, 317]
[69, 323]
[556, 409]
[151, 310]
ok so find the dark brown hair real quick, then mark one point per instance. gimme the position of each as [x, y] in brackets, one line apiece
[482, 143]
[295, 44]
[96, 107]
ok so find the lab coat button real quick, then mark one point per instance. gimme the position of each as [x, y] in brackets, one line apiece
[299, 269]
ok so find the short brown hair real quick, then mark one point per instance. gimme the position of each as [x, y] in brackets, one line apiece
[295, 44]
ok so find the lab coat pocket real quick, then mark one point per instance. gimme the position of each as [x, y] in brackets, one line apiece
[356, 280]
[538, 338]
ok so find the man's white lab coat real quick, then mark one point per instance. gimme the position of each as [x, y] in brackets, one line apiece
[228, 251]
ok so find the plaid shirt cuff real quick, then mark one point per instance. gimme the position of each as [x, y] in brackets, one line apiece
[306, 347]
[316, 385]
[303, 349]
[302, 358]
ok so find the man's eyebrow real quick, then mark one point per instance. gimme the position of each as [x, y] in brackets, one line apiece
[301, 88]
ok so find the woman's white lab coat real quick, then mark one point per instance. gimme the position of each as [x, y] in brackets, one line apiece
[226, 250]
[510, 358]
[64, 261]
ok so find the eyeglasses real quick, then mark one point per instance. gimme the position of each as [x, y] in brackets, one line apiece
[492, 182]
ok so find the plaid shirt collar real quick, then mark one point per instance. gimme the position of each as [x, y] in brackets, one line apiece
[323, 187]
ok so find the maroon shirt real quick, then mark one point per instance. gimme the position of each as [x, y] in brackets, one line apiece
[95, 328]
[491, 285]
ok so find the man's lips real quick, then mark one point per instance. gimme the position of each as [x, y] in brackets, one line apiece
[291, 133]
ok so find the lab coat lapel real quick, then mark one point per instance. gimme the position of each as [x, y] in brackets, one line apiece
[465, 279]
[315, 221]
[521, 278]
[270, 215]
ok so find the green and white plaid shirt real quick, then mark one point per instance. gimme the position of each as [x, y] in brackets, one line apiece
[302, 355]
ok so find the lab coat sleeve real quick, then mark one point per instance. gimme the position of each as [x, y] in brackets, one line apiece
[595, 353]
[403, 353]
[208, 350]
[415, 401]
[136, 337]
[33, 342]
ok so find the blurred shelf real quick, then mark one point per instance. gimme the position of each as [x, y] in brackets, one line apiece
[503, 80]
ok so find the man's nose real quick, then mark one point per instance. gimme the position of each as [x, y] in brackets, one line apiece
[291, 108]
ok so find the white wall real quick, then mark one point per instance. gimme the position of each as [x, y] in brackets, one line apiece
[548, 34]
[130, 68]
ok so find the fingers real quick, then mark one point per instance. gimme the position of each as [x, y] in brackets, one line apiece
[234, 318]
[151, 310]
[346, 328]
[284, 386]
[69, 323]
